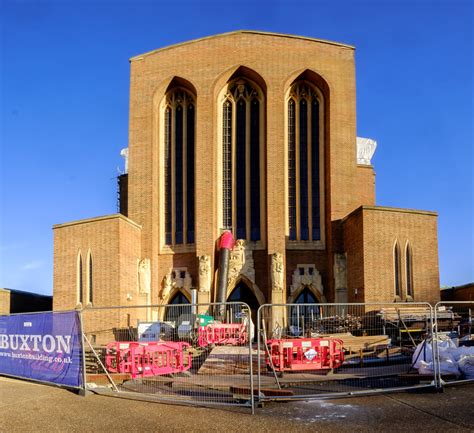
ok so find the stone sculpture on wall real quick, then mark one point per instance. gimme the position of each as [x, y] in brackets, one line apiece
[241, 262]
[277, 271]
[306, 276]
[167, 285]
[204, 273]
[365, 150]
[144, 276]
[340, 277]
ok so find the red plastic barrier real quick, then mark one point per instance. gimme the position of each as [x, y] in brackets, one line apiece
[222, 333]
[147, 358]
[305, 354]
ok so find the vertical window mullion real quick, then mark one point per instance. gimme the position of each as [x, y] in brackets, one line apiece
[227, 159]
[168, 176]
[185, 169]
[291, 171]
[303, 145]
[315, 160]
[297, 168]
[248, 170]
[255, 216]
[310, 168]
[190, 130]
[240, 169]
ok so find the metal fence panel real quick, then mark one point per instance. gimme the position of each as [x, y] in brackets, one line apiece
[454, 345]
[190, 354]
[321, 350]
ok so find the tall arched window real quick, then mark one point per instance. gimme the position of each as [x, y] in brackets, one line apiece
[305, 114]
[397, 265]
[79, 277]
[89, 279]
[179, 133]
[409, 270]
[242, 166]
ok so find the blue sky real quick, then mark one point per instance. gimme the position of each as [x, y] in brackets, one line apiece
[64, 107]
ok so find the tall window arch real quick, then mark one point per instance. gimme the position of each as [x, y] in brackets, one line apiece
[179, 149]
[90, 280]
[409, 270]
[397, 265]
[243, 108]
[79, 280]
[305, 139]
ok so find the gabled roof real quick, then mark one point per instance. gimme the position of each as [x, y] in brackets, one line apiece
[235, 32]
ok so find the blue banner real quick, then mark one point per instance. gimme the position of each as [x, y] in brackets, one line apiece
[42, 346]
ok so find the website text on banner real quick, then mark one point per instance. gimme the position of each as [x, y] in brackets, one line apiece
[42, 346]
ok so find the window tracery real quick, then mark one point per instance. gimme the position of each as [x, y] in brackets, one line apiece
[179, 149]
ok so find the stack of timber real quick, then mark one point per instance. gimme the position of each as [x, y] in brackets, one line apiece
[353, 344]
[335, 324]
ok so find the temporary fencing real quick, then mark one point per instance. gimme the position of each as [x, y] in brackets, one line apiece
[42, 346]
[190, 354]
[453, 348]
[322, 350]
[204, 354]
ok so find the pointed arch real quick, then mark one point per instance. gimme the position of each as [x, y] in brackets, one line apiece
[397, 271]
[90, 278]
[251, 285]
[320, 298]
[178, 132]
[410, 295]
[79, 277]
[241, 154]
[307, 131]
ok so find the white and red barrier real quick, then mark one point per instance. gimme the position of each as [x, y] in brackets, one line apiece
[305, 354]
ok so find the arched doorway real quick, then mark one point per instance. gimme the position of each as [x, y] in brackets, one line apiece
[303, 316]
[242, 293]
[172, 313]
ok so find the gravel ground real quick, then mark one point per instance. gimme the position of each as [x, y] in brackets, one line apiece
[29, 407]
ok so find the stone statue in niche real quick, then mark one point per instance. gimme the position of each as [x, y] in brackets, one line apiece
[340, 271]
[144, 276]
[241, 262]
[277, 271]
[167, 285]
[204, 273]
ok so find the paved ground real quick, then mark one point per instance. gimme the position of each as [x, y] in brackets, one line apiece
[28, 407]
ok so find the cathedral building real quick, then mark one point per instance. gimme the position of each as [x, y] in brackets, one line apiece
[253, 133]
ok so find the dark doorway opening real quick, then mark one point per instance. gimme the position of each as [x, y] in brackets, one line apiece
[242, 293]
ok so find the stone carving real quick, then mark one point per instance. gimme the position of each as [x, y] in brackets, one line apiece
[277, 271]
[340, 277]
[306, 276]
[340, 272]
[204, 273]
[167, 285]
[365, 150]
[182, 278]
[124, 154]
[144, 276]
[241, 262]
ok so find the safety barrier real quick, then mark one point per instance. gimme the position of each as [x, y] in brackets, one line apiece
[304, 354]
[453, 348]
[147, 358]
[325, 350]
[162, 353]
[223, 334]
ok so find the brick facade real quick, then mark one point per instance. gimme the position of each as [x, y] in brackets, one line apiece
[365, 236]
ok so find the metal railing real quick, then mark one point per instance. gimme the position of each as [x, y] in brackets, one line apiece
[189, 354]
[326, 350]
[454, 342]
